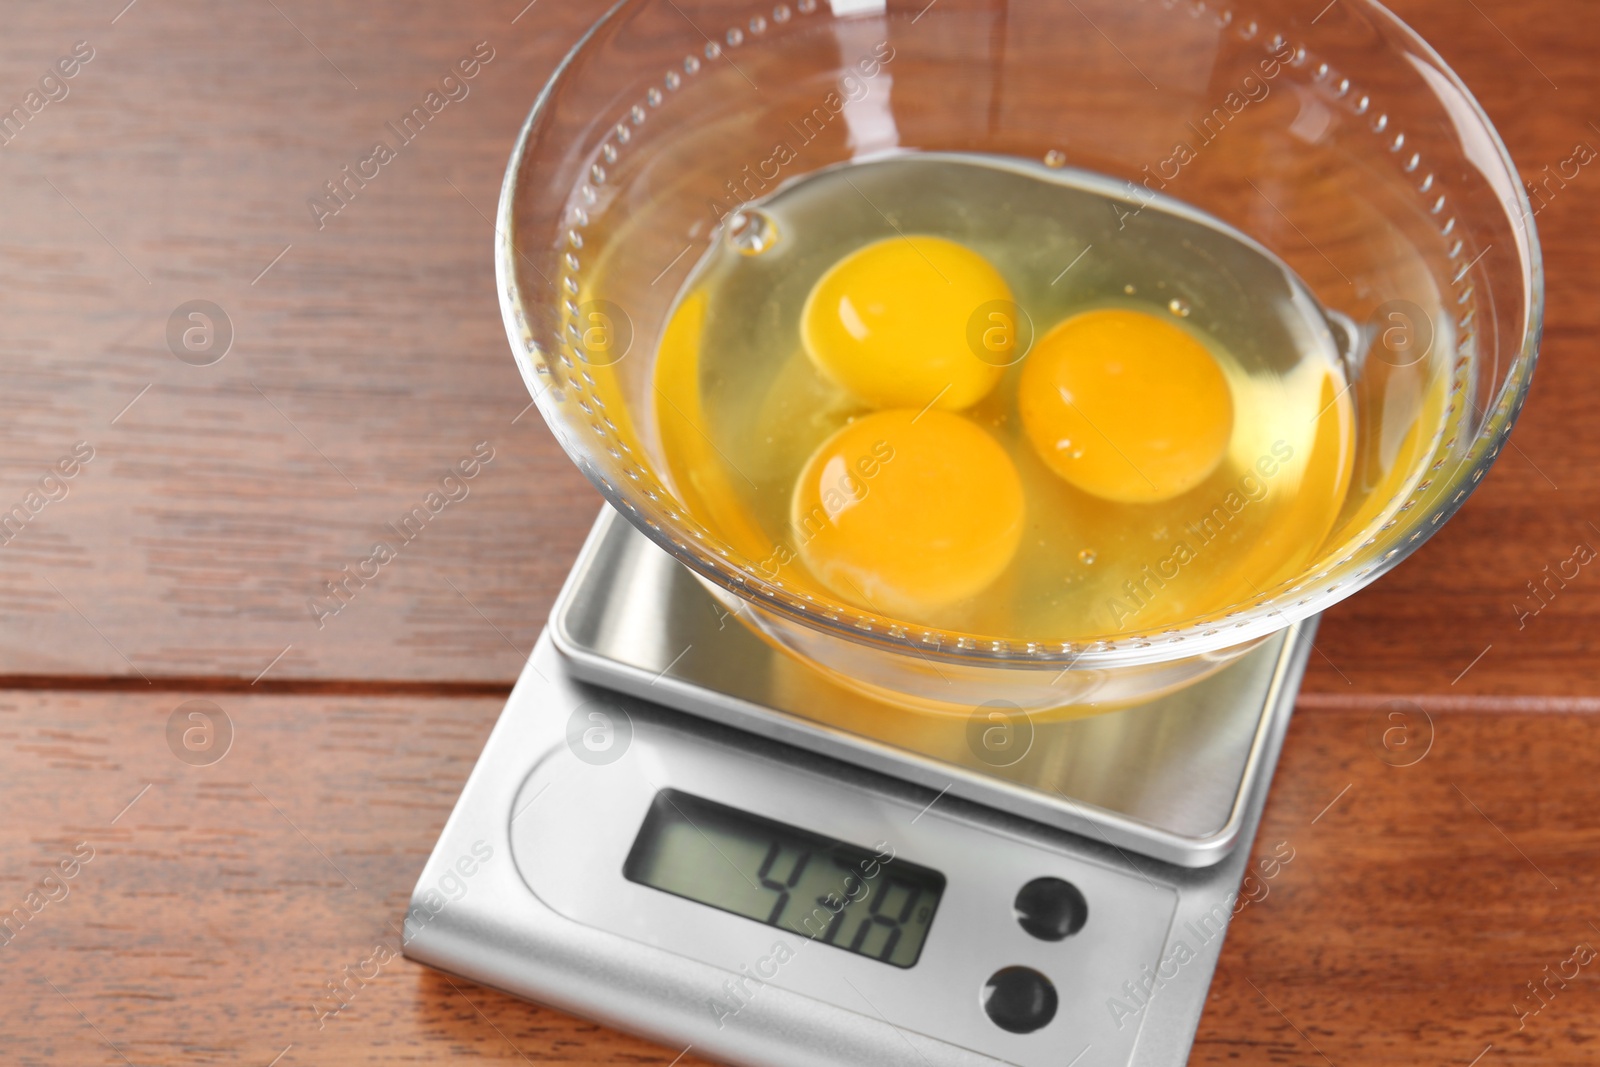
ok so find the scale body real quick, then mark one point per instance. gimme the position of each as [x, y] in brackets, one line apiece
[645, 706]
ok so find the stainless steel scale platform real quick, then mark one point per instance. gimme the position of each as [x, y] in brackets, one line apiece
[644, 700]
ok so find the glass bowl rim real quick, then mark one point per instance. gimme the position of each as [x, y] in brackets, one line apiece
[1211, 634]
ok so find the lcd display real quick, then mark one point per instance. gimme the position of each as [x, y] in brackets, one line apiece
[867, 901]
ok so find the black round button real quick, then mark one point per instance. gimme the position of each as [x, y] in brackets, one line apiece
[1020, 1000]
[1051, 909]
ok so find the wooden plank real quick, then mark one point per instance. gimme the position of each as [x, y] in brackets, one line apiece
[369, 359]
[1421, 628]
[221, 899]
[1421, 901]
[367, 362]
[217, 901]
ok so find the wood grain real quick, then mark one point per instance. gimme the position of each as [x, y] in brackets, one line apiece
[1423, 625]
[1418, 903]
[216, 907]
[370, 358]
[367, 362]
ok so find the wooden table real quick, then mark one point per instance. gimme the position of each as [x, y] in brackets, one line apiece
[208, 907]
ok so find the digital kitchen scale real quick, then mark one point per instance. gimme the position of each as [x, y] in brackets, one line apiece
[679, 831]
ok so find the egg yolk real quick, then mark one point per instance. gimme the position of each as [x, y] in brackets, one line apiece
[889, 324]
[902, 511]
[1126, 406]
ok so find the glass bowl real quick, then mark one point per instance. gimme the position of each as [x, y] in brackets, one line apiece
[1339, 141]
